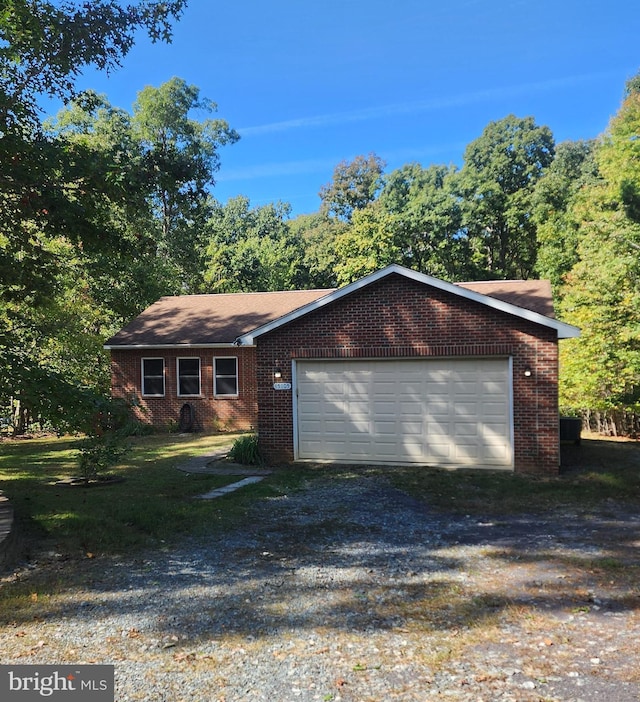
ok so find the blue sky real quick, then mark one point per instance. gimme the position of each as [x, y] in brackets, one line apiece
[308, 84]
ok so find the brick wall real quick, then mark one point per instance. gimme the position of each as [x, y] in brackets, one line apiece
[210, 412]
[398, 317]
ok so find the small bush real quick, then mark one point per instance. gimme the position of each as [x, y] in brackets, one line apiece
[99, 453]
[246, 451]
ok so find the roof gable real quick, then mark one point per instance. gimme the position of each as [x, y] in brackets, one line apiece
[513, 289]
[226, 319]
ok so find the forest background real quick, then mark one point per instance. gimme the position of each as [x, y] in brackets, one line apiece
[103, 210]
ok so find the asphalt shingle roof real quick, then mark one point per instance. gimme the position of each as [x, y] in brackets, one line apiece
[221, 318]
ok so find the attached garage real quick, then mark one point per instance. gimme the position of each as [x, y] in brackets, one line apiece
[402, 368]
[398, 367]
[448, 412]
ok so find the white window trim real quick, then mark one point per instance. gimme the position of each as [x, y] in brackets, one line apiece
[189, 358]
[215, 376]
[142, 376]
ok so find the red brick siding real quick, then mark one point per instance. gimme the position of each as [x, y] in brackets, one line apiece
[397, 317]
[211, 412]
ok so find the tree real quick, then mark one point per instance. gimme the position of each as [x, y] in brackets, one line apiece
[45, 46]
[179, 159]
[53, 191]
[317, 234]
[368, 245]
[601, 369]
[252, 249]
[496, 184]
[557, 209]
[354, 185]
[427, 220]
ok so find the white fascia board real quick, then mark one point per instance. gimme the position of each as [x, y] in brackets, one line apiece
[177, 347]
[564, 331]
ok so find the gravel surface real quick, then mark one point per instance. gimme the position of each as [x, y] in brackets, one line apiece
[351, 590]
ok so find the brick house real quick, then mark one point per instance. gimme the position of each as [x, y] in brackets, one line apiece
[398, 367]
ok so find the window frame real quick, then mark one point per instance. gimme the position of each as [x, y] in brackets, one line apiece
[179, 376]
[217, 375]
[144, 375]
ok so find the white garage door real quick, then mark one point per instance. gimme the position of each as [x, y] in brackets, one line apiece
[437, 412]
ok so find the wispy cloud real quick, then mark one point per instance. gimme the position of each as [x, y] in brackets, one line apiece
[322, 165]
[417, 106]
[277, 168]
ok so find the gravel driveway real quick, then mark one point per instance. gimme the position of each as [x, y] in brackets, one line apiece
[351, 590]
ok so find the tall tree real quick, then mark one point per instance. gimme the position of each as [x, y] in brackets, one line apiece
[601, 369]
[557, 211]
[252, 249]
[45, 45]
[427, 220]
[317, 234]
[370, 243]
[180, 158]
[51, 193]
[354, 185]
[496, 184]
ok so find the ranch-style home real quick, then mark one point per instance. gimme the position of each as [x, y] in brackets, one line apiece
[396, 368]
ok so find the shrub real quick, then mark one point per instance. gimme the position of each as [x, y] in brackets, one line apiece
[245, 450]
[98, 453]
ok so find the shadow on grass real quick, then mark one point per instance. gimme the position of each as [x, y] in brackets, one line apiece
[347, 552]
[351, 553]
[153, 503]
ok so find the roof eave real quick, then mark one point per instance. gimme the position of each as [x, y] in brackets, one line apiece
[143, 347]
[563, 330]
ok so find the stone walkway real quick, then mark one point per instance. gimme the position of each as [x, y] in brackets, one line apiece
[215, 464]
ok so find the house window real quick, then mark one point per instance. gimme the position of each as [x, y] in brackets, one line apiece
[225, 377]
[188, 376]
[153, 377]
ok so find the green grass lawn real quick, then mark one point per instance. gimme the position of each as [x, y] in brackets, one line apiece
[594, 473]
[153, 504]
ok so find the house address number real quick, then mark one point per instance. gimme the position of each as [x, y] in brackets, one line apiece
[282, 386]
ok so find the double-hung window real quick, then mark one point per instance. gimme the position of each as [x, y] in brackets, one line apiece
[188, 376]
[153, 377]
[225, 377]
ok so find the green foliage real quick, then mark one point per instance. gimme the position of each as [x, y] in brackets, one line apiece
[427, 219]
[355, 184]
[557, 209]
[601, 292]
[45, 45]
[98, 453]
[252, 249]
[245, 450]
[63, 198]
[317, 234]
[368, 245]
[496, 185]
[179, 158]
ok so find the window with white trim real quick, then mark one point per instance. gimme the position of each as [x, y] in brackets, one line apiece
[153, 377]
[188, 376]
[225, 377]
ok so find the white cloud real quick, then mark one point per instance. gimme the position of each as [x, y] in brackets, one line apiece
[430, 105]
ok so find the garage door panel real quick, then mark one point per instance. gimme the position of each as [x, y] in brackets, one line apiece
[464, 410]
[430, 411]
[411, 409]
[411, 428]
[439, 408]
[466, 429]
[441, 451]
